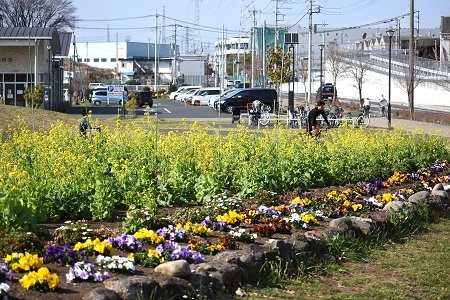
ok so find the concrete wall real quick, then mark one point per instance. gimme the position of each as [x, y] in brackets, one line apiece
[19, 59]
[376, 84]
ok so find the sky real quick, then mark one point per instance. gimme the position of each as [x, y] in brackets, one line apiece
[104, 20]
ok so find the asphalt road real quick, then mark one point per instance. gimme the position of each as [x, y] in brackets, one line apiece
[166, 109]
[173, 109]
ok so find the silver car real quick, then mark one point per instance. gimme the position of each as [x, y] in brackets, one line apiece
[99, 97]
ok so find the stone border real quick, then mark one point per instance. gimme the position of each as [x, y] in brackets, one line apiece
[223, 277]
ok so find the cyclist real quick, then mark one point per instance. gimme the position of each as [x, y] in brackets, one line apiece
[313, 114]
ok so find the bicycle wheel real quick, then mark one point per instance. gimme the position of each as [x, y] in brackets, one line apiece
[264, 119]
[362, 121]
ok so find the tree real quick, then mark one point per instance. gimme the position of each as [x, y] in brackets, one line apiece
[403, 80]
[34, 96]
[278, 68]
[303, 74]
[444, 80]
[357, 68]
[278, 65]
[38, 13]
[336, 65]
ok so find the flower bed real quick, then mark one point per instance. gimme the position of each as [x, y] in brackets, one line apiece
[82, 256]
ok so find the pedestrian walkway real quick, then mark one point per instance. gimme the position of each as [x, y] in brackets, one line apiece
[429, 128]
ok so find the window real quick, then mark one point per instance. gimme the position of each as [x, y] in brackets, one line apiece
[96, 60]
[21, 77]
[103, 59]
[113, 60]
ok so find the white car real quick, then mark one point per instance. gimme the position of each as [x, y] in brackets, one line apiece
[202, 96]
[182, 89]
[184, 96]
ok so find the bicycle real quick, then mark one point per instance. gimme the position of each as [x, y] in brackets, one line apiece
[363, 119]
[293, 119]
[260, 114]
[303, 115]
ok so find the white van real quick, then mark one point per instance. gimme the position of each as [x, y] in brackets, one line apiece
[94, 85]
[202, 96]
[183, 89]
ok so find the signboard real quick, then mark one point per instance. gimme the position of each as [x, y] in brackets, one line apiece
[115, 92]
[291, 38]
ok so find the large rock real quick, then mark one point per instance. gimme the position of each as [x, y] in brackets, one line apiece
[225, 277]
[175, 288]
[344, 223]
[394, 206]
[419, 197]
[134, 287]
[177, 268]
[101, 294]
[361, 225]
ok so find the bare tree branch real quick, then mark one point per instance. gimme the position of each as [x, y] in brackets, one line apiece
[403, 79]
[445, 80]
[357, 67]
[38, 13]
[336, 65]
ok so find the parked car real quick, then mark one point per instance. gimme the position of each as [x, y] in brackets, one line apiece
[96, 85]
[182, 89]
[214, 101]
[243, 98]
[184, 96]
[144, 97]
[202, 96]
[326, 92]
[100, 96]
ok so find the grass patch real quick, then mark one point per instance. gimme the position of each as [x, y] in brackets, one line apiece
[416, 269]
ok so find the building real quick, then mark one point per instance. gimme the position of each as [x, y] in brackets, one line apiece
[33, 56]
[134, 61]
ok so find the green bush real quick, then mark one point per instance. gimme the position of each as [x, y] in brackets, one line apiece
[34, 96]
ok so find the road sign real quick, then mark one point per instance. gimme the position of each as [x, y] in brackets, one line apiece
[114, 91]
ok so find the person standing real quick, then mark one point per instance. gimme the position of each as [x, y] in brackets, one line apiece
[366, 106]
[84, 124]
[383, 103]
[313, 114]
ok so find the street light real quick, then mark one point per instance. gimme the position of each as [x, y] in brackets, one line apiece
[321, 49]
[390, 33]
[49, 48]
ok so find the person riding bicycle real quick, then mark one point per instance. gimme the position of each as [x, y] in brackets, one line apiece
[313, 114]
[256, 107]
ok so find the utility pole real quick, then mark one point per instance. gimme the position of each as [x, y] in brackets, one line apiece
[253, 43]
[264, 68]
[276, 23]
[156, 51]
[174, 67]
[309, 50]
[411, 58]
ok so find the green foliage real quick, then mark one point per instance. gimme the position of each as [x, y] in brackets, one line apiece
[15, 216]
[278, 63]
[34, 96]
[59, 174]
[132, 105]
[74, 232]
[20, 242]
[138, 218]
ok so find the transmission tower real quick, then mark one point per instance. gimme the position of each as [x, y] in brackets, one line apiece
[197, 21]
[163, 30]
